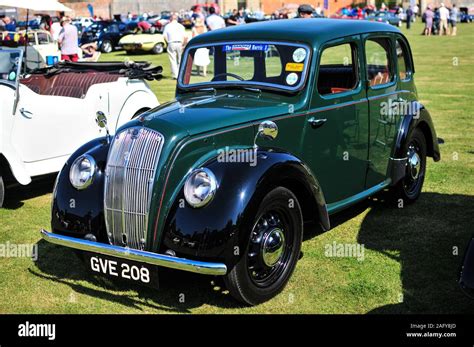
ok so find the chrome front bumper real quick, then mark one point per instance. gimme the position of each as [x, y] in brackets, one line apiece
[200, 267]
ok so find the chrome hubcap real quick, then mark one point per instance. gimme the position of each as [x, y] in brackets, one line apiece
[272, 247]
[414, 163]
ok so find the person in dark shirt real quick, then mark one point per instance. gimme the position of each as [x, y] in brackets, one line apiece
[409, 17]
[235, 18]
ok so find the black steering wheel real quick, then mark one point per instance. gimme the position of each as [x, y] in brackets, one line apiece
[228, 74]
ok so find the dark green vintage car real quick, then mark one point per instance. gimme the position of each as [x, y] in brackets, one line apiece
[274, 124]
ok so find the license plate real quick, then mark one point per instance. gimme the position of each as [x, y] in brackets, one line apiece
[122, 269]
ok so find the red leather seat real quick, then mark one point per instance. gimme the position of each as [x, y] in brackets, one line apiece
[70, 84]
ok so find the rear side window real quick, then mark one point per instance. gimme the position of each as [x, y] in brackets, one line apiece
[403, 61]
[338, 69]
[378, 61]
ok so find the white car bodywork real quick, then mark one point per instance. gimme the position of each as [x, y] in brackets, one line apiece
[39, 132]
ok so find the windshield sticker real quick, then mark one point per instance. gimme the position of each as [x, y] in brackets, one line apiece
[299, 55]
[12, 76]
[294, 67]
[246, 47]
[291, 79]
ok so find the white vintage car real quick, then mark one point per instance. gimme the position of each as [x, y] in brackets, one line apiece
[46, 116]
[40, 46]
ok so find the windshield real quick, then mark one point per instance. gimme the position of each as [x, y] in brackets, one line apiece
[10, 63]
[251, 64]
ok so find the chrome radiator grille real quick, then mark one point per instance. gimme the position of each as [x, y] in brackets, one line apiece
[131, 166]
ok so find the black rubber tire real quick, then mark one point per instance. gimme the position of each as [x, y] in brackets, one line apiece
[238, 280]
[107, 47]
[158, 48]
[2, 191]
[399, 191]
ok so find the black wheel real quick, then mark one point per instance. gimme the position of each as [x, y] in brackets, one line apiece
[272, 251]
[158, 48]
[409, 188]
[2, 191]
[107, 46]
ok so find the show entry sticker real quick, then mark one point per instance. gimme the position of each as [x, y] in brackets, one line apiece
[294, 67]
[291, 79]
[299, 55]
[246, 47]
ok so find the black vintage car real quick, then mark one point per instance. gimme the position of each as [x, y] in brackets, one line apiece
[107, 34]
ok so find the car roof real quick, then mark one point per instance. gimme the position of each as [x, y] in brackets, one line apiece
[313, 31]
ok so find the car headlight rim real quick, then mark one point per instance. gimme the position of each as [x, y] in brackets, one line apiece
[200, 187]
[75, 172]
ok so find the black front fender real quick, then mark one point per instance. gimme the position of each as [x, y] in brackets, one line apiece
[80, 212]
[220, 230]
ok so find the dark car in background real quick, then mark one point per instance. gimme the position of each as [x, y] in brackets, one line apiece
[465, 16]
[385, 17]
[107, 34]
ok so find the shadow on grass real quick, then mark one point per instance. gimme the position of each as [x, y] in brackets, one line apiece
[16, 194]
[179, 291]
[423, 237]
[428, 238]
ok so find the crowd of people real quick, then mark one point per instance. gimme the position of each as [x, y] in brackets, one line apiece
[440, 21]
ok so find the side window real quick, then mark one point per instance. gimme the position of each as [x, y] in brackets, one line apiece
[378, 61]
[403, 61]
[338, 70]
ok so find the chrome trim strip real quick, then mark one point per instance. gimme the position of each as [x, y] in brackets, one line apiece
[200, 267]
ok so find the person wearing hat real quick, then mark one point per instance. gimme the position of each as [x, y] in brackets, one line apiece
[68, 40]
[443, 20]
[305, 11]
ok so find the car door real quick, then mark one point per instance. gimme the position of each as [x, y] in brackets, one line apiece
[336, 129]
[48, 127]
[383, 96]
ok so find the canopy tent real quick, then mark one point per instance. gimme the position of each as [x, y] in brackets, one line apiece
[36, 5]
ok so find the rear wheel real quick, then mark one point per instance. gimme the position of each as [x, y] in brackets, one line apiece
[107, 46]
[2, 191]
[409, 188]
[272, 251]
[158, 48]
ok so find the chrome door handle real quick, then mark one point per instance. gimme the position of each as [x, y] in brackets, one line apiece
[26, 114]
[317, 123]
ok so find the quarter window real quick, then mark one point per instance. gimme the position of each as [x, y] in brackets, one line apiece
[404, 70]
[338, 69]
[378, 61]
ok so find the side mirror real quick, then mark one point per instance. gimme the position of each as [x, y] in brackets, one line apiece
[101, 120]
[267, 130]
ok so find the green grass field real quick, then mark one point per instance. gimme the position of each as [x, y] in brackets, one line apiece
[412, 255]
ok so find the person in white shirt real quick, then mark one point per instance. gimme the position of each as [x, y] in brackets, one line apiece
[214, 21]
[175, 37]
[443, 20]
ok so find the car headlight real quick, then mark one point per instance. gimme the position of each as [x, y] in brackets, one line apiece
[82, 172]
[200, 187]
